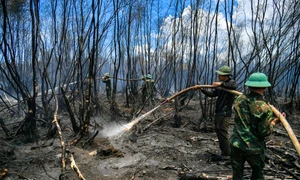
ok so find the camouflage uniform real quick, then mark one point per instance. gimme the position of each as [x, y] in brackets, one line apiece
[148, 88]
[106, 80]
[144, 89]
[252, 124]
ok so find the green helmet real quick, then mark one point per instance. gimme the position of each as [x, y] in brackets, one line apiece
[143, 77]
[259, 80]
[106, 74]
[224, 70]
[149, 76]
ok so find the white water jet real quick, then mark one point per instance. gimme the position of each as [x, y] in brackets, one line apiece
[115, 129]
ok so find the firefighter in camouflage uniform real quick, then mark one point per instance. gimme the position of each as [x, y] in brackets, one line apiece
[148, 88]
[106, 80]
[254, 120]
[144, 89]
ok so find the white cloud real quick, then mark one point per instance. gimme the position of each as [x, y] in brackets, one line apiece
[242, 25]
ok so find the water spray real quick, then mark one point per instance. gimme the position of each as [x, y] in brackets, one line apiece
[136, 120]
[286, 125]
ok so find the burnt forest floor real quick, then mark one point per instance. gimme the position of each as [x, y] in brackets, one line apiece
[152, 150]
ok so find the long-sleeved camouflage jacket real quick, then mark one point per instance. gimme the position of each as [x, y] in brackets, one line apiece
[107, 83]
[148, 87]
[252, 123]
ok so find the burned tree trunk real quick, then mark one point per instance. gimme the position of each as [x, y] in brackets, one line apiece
[75, 127]
[28, 127]
[6, 131]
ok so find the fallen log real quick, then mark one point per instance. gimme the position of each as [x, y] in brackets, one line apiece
[74, 166]
[202, 176]
[292, 173]
[3, 173]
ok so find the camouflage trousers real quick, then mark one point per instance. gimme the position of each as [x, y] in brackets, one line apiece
[238, 159]
[148, 98]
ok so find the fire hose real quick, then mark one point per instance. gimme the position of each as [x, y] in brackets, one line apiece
[282, 119]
